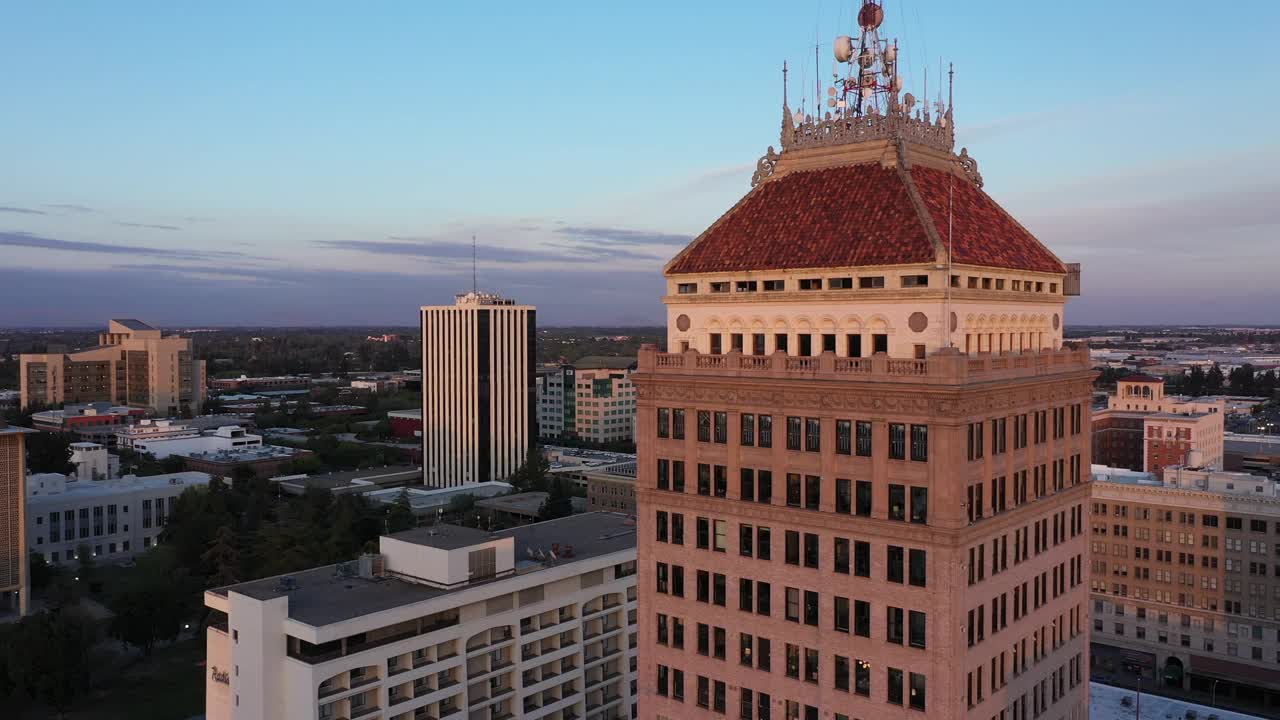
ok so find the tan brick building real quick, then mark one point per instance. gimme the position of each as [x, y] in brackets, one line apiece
[862, 475]
[1144, 429]
[1185, 577]
[133, 364]
[13, 530]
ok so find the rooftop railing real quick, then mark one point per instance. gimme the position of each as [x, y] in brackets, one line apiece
[944, 367]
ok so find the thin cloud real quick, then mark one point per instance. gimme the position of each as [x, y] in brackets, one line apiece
[1175, 222]
[437, 250]
[29, 240]
[71, 207]
[22, 211]
[623, 236]
[148, 226]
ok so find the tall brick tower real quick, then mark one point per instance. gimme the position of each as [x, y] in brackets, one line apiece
[863, 459]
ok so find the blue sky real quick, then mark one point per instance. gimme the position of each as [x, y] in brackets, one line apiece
[309, 163]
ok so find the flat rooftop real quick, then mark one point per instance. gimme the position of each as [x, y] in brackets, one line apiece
[323, 596]
[245, 454]
[526, 503]
[104, 488]
[389, 476]
[445, 537]
[6, 429]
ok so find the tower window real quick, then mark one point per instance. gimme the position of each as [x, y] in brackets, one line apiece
[841, 283]
[687, 288]
[811, 284]
[871, 282]
[915, 281]
[774, 285]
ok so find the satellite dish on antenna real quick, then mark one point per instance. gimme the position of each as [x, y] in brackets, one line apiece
[870, 16]
[843, 47]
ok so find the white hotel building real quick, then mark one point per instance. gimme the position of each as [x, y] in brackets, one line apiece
[478, 399]
[448, 622]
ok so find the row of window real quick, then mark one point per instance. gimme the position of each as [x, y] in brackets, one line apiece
[1027, 597]
[802, 434]
[1184, 518]
[63, 526]
[902, 565]
[1066, 472]
[864, 282]
[1044, 694]
[849, 616]
[1071, 416]
[802, 491]
[901, 688]
[1037, 537]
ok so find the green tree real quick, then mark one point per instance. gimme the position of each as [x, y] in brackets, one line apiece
[86, 566]
[48, 657]
[1214, 380]
[223, 556]
[461, 504]
[400, 515]
[559, 502]
[41, 572]
[153, 601]
[531, 476]
[49, 452]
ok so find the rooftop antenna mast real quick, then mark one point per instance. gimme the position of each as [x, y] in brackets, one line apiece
[871, 83]
[474, 289]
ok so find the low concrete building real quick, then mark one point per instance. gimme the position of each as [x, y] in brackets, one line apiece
[425, 502]
[265, 461]
[72, 418]
[226, 438]
[520, 508]
[534, 622]
[406, 423]
[1251, 453]
[151, 430]
[612, 488]
[116, 519]
[351, 481]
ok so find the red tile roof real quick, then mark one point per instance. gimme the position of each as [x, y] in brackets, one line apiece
[982, 232]
[860, 215]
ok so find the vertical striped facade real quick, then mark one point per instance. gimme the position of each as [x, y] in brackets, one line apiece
[13, 532]
[478, 389]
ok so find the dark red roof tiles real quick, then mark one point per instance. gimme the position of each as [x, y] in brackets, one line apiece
[983, 233]
[838, 217]
[860, 215]
[1141, 378]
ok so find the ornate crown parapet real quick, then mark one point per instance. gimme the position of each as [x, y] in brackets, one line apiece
[896, 124]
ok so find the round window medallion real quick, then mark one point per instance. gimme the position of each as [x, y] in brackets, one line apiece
[1056, 321]
[917, 322]
[682, 323]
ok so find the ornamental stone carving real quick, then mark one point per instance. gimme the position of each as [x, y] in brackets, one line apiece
[764, 167]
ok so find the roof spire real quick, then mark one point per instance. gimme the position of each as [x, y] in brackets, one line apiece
[784, 85]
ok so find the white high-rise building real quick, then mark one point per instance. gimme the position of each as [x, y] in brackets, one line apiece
[538, 622]
[478, 398]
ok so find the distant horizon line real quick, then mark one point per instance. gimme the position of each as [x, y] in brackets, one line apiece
[254, 326]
